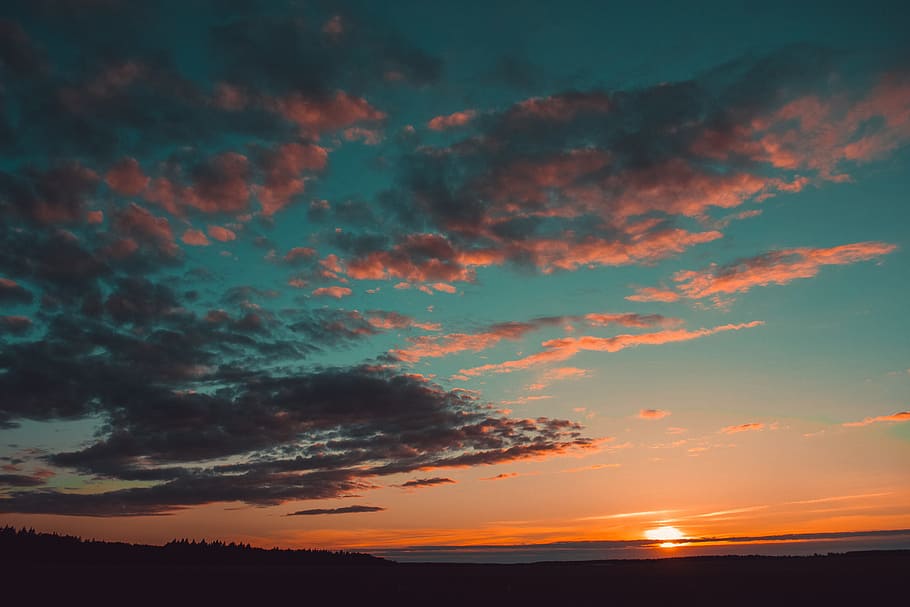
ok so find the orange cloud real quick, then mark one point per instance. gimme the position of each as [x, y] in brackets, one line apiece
[442, 123]
[317, 115]
[902, 416]
[436, 346]
[221, 234]
[743, 428]
[283, 169]
[648, 294]
[652, 414]
[336, 292]
[195, 238]
[94, 217]
[560, 108]
[567, 347]
[776, 267]
[126, 178]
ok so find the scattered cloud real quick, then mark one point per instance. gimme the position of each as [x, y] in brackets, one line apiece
[653, 414]
[901, 416]
[342, 510]
[420, 483]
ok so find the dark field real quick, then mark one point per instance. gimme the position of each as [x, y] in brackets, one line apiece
[870, 578]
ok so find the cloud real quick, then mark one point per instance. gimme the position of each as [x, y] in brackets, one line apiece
[140, 225]
[335, 291]
[608, 178]
[420, 483]
[457, 119]
[57, 195]
[649, 294]
[13, 293]
[15, 325]
[126, 178]
[776, 267]
[221, 234]
[753, 426]
[196, 238]
[305, 436]
[501, 477]
[901, 416]
[20, 480]
[436, 346]
[342, 510]
[558, 374]
[557, 350]
[653, 414]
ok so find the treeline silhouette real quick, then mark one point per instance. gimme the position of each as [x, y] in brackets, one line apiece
[27, 546]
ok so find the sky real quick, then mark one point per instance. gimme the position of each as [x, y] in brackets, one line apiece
[489, 281]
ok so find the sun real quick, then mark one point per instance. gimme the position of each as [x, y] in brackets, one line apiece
[664, 534]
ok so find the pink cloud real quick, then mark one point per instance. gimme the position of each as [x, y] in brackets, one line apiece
[126, 178]
[418, 258]
[560, 107]
[195, 238]
[558, 374]
[367, 136]
[902, 416]
[94, 217]
[820, 134]
[653, 414]
[567, 347]
[334, 291]
[442, 123]
[631, 320]
[221, 234]
[318, 115]
[284, 168]
[220, 185]
[444, 287]
[299, 253]
[777, 267]
[436, 346]
[647, 294]
[139, 224]
[754, 426]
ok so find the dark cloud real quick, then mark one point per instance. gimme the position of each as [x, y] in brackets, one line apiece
[16, 325]
[56, 195]
[419, 483]
[172, 405]
[342, 510]
[18, 53]
[12, 293]
[585, 178]
[20, 480]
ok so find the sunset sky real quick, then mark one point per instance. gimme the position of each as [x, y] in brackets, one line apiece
[463, 280]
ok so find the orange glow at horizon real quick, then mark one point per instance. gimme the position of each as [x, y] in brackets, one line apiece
[664, 534]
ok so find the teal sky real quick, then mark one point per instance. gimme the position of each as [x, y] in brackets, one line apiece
[433, 260]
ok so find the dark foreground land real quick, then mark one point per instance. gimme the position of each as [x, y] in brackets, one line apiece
[201, 574]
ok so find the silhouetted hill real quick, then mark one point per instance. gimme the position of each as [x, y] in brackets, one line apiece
[28, 546]
[51, 569]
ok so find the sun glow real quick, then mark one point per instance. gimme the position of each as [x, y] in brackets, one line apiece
[664, 534]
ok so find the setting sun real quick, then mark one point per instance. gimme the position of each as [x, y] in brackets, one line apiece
[664, 534]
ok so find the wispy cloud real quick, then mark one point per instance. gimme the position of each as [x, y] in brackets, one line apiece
[556, 350]
[652, 414]
[901, 416]
[778, 267]
[342, 510]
